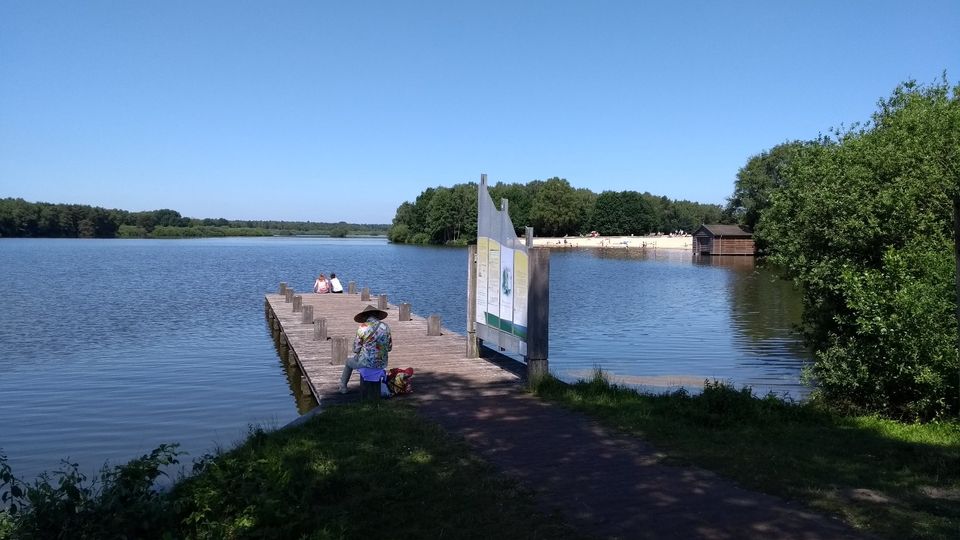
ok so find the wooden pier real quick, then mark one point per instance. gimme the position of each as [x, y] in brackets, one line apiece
[316, 333]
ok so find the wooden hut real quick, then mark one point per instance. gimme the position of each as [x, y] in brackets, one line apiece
[723, 240]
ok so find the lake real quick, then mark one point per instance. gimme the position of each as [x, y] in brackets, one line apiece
[109, 348]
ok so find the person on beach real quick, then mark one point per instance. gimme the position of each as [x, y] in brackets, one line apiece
[335, 285]
[371, 346]
[321, 285]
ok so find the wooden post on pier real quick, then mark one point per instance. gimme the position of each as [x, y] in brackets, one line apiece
[288, 295]
[352, 287]
[308, 314]
[538, 314]
[283, 288]
[472, 350]
[382, 302]
[433, 325]
[297, 303]
[338, 350]
[320, 329]
[365, 294]
[404, 312]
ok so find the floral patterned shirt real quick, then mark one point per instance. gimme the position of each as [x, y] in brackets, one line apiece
[372, 344]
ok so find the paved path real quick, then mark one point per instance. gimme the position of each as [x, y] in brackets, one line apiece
[608, 484]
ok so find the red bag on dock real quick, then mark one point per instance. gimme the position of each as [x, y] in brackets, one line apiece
[399, 381]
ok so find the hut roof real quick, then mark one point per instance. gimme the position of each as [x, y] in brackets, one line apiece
[725, 230]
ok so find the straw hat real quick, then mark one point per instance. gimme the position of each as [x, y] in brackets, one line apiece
[367, 312]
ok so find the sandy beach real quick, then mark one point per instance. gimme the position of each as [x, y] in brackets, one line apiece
[650, 242]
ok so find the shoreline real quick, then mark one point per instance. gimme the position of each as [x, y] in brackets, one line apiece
[643, 242]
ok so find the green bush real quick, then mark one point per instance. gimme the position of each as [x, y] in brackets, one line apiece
[419, 238]
[864, 226]
[339, 232]
[131, 231]
[122, 503]
[399, 233]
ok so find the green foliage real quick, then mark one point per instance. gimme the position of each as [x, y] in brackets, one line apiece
[554, 211]
[553, 207]
[399, 233]
[624, 213]
[892, 479]
[420, 238]
[340, 231]
[122, 504]
[863, 224]
[758, 180]
[19, 218]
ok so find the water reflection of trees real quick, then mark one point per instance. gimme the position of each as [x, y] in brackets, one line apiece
[304, 402]
[764, 306]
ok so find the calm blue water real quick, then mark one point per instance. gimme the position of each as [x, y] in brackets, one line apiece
[111, 347]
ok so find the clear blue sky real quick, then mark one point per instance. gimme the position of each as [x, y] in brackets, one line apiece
[330, 111]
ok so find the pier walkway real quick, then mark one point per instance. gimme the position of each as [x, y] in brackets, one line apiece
[607, 484]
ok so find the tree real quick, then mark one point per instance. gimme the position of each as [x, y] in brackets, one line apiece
[521, 200]
[626, 212]
[757, 180]
[863, 224]
[554, 210]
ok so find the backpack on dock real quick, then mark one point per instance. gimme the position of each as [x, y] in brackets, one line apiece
[399, 381]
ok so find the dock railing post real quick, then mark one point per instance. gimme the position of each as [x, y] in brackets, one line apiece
[538, 315]
[382, 302]
[338, 350]
[283, 288]
[288, 295]
[352, 287]
[308, 314]
[404, 312]
[320, 329]
[433, 325]
[297, 303]
[365, 294]
[472, 351]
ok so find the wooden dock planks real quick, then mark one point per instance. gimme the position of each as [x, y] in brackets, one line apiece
[433, 358]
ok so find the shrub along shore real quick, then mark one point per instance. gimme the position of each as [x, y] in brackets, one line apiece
[370, 470]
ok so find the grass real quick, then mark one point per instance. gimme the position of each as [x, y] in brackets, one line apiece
[892, 479]
[359, 471]
[355, 471]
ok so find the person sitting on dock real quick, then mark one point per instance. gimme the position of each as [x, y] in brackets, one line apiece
[335, 285]
[372, 344]
[321, 285]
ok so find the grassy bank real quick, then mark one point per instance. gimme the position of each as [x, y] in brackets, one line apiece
[896, 480]
[352, 472]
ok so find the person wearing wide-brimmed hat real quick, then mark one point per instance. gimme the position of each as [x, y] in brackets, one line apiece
[371, 346]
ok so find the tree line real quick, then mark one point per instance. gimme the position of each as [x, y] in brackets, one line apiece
[862, 220]
[22, 219]
[448, 215]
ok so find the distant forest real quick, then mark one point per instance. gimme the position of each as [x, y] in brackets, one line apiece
[448, 215]
[22, 219]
